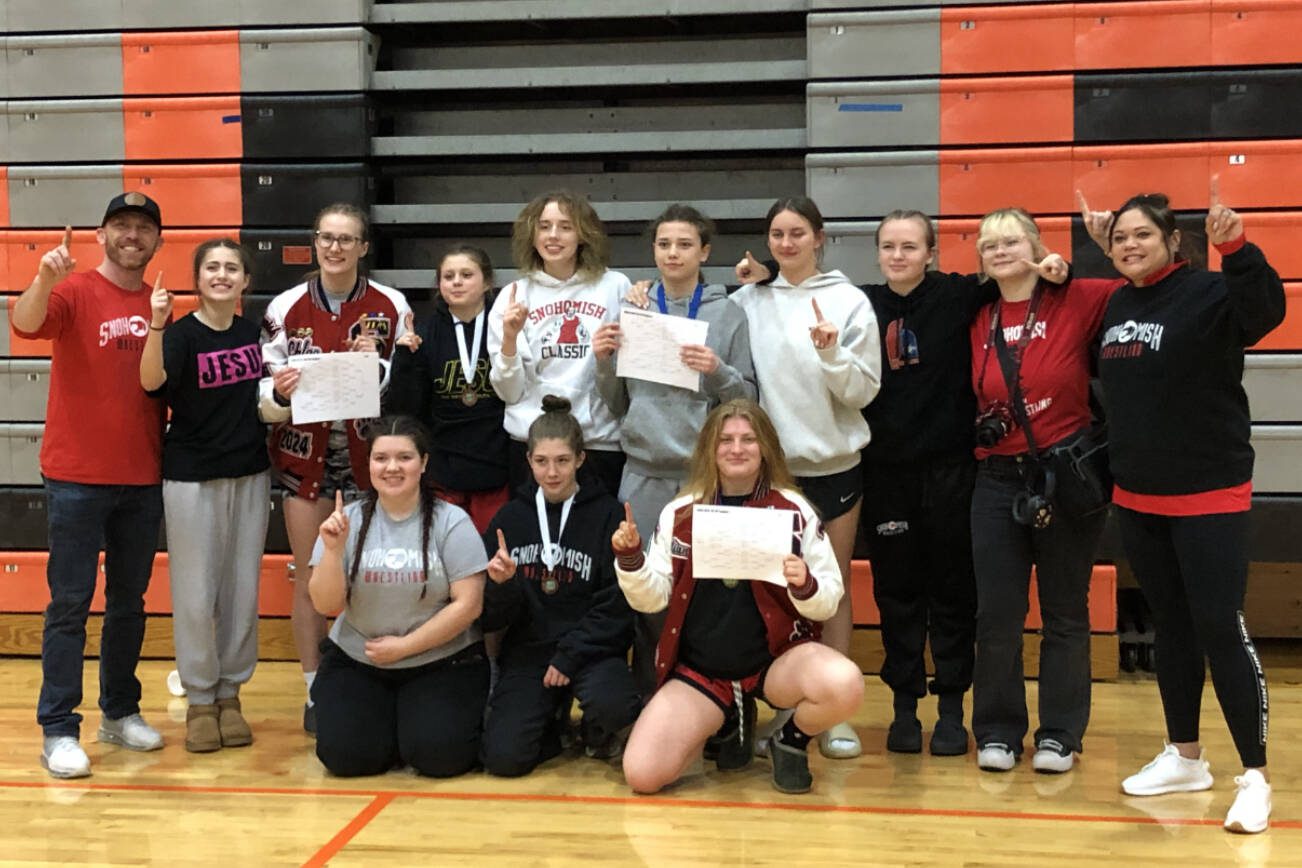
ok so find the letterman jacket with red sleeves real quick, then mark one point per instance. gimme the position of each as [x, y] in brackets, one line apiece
[663, 577]
[299, 321]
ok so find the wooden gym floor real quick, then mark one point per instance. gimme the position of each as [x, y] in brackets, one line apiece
[273, 804]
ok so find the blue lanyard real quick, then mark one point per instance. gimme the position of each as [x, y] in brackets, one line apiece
[693, 307]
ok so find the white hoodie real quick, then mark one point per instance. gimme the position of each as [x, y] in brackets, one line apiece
[554, 351]
[814, 396]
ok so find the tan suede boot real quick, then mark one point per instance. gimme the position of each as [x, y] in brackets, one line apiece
[234, 728]
[201, 732]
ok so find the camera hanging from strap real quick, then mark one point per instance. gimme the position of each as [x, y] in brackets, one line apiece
[1034, 506]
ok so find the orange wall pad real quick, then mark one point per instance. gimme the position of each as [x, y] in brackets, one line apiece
[191, 195]
[956, 242]
[197, 62]
[1288, 335]
[1011, 110]
[1000, 39]
[975, 181]
[1114, 174]
[1143, 34]
[1256, 31]
[1278, 235]
[1103, 598]
[21, 252]
[24, 589]
[1258, 174]
[186, 128]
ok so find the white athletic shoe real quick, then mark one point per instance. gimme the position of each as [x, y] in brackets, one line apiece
[63, 757]
[996, 757]
[1051, 757]
[1250, 812]
[1169, 773]
[131, 732]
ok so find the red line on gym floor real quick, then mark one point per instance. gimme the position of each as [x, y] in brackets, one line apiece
[657, 801]
[347, 833]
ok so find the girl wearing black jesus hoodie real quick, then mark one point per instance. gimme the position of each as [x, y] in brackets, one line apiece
[554, 591]
[1171, 364]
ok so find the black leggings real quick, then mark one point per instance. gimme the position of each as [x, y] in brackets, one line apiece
[370, 719]
[1194, 572]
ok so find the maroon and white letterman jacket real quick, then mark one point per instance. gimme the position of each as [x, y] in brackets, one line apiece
[662, 578]
[299, 321]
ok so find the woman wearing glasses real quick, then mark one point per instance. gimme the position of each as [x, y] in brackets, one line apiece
[337, 309]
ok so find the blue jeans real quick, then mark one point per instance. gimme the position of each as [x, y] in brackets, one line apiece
[123, 520]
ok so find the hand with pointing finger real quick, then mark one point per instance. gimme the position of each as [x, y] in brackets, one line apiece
[1052, 268]
[58, 263]
[626, 538]
[751, 270]
[502, 567]
[160, 303]
[513, 316]
[1097, 223]
[409, 338]
[1223, 224]
[822, 333]
[334, 530]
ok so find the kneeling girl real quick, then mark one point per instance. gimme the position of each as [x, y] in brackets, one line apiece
[553, 590]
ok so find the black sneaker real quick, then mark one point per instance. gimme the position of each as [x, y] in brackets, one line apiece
[904, 735]
[949, 738]
[790, 768]
[309, 719]
[735, 747]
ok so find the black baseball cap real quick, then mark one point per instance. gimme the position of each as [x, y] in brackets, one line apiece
[133, 201]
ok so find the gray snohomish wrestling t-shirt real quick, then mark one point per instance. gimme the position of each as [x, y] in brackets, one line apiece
[386, 597]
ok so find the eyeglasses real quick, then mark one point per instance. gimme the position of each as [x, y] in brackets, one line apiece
[326, 240]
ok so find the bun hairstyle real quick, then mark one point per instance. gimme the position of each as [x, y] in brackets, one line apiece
[1157, 208]
[556, 423]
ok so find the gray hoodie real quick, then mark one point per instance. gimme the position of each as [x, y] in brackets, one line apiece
[661, 423]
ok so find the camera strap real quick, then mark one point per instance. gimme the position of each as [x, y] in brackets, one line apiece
[1011, 365]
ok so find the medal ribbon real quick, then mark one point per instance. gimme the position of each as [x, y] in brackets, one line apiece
[551, 551]
[469, 362]
[693, 306]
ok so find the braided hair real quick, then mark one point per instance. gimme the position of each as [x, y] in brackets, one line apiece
[397, 426]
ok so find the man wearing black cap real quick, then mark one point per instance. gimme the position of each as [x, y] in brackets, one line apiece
[101, 460]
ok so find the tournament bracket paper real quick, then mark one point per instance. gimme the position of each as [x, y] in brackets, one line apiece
[333, 386]
[741, 542]
[651, 344]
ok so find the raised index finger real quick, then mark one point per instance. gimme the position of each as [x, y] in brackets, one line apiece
[1215, 190]
[501, 539]
[628, 512]
[1085, 211]
[512, 292]
[818, 313]
[339, 500]
[67, 237]
[158, 282]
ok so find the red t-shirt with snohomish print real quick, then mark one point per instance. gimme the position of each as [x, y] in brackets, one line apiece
[101, 428]
[1055, 363]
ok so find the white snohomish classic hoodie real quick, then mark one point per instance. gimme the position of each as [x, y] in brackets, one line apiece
[814, 396]
[554, 351]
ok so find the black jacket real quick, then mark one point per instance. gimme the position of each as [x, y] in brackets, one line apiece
[469, 443]
[925, 408]
[587, 618]
[1171, 365]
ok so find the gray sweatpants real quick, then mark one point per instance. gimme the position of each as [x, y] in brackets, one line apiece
[216, 533]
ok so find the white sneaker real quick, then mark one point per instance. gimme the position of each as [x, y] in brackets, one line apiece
[1250, 812]
[63, 757]
[1169, 773]
[1051, 757]
[131, 732]
[996, 757]
[839, 742]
